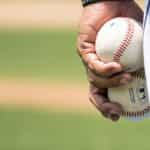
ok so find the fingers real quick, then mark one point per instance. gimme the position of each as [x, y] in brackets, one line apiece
[86, 49]
[91, 60]
[117, 80]
[99, 100]
[120, 80]
[105, 69]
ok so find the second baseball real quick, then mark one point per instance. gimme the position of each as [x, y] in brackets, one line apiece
[132, 97]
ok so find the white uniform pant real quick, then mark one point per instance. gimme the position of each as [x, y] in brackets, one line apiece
[147, 44]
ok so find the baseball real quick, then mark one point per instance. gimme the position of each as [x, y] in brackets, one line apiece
[132, 97]
[120, 40]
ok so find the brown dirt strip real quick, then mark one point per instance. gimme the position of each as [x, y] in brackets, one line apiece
[39, 14]
[44, 94]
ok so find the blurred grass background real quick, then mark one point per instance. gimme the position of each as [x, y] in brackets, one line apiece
[42, 130]
[42, 54]
[50, 54]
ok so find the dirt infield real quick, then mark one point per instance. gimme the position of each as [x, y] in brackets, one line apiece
[44, 94]
[39, 13]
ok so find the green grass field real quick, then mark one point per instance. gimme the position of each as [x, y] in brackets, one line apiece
[39, 54]
[43, 130]
[51, 55]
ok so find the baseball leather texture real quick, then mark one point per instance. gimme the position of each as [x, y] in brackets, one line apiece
[121, 40]
[132, 97]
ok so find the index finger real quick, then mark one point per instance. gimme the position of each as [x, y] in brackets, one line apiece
[88, 55]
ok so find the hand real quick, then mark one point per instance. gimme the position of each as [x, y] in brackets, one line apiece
[98, 93]
[100, 74]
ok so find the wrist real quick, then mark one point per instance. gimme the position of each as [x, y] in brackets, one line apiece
[88, 2]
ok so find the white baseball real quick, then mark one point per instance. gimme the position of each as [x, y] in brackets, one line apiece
[121, 40]
[132, 97]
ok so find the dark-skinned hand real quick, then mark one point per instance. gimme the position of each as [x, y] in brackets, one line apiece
[101, 75]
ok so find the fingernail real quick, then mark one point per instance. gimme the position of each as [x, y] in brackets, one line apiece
[115, 117]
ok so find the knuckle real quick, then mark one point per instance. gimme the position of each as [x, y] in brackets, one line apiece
[81, 48]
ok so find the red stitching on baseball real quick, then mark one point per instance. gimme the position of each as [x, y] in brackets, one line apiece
[125, 43]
